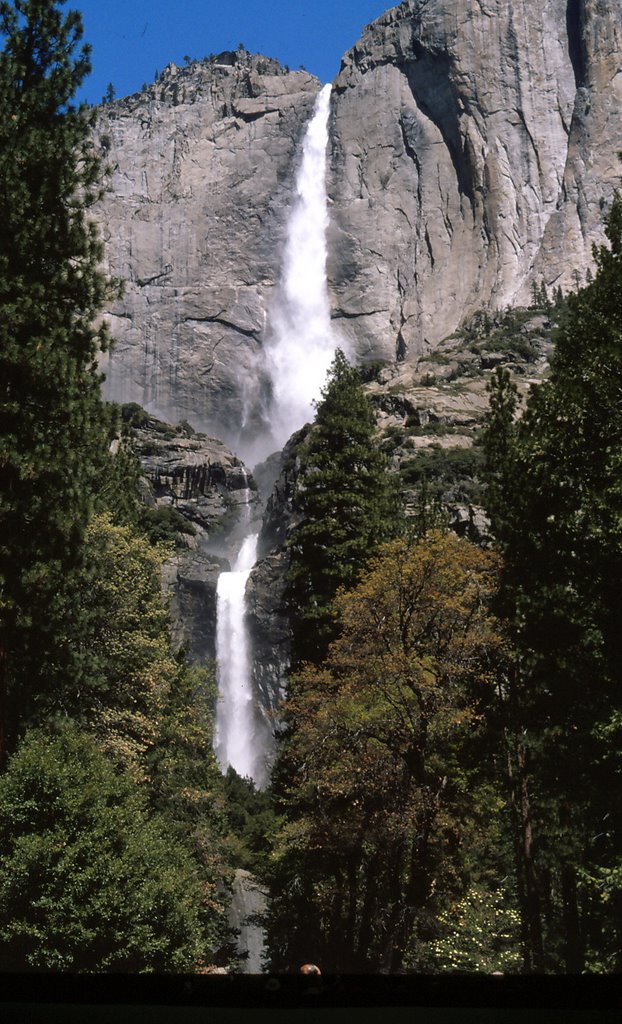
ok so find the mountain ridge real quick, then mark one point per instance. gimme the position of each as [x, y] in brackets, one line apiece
[471, 154]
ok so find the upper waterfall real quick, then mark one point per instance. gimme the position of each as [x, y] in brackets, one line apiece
[300, 344]
[300, 337]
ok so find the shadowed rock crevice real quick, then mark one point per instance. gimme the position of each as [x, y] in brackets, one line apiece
[431, 82]
[575, 17]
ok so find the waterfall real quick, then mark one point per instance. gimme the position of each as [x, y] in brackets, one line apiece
[300, 338]
[300, 344]
[238, 739]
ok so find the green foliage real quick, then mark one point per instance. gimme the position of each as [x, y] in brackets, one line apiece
[185, 784]
[511, 331]
[380, 780]
[133, 415]
[53, 424]
[480, 934]
[450, 473]
[127, 644]
[498, 440]
[162, 525]
[347, 502]
[556, 502]
[88, 880]
[117, 489]
[251, 819]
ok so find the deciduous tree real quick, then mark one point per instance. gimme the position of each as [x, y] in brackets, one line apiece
[89, 879]
[383, 786]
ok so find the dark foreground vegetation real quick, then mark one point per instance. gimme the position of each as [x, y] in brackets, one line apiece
[447, 792]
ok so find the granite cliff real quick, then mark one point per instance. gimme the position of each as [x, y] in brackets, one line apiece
[472, 147]
[201, 171]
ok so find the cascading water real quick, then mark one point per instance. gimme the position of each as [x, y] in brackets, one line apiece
[300, 344]
[301, 340]
[238, 726]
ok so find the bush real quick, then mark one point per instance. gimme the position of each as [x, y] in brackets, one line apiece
[451, 473]
[163, 524]
[88, 880]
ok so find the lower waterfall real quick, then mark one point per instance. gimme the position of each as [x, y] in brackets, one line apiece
[239, 738]
[299, 346]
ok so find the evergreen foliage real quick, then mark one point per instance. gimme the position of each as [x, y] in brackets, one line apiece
[251, 819]
[556, 502]
[53, 424]
[89, 879]
[347, 503]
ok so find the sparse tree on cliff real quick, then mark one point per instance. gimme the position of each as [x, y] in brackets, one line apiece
[52, 419]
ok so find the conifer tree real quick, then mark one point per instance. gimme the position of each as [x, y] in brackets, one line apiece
[347, 502]
[52, 419]
[556, 505]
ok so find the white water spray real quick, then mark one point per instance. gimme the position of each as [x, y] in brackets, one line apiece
[238, 739]
[301, 341]
[299, 349]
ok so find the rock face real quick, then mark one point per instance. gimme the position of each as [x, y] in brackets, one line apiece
[472, 146]
[202, 166]
[198, 477]
[267, 614]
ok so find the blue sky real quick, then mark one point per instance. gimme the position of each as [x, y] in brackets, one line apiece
[131, 39]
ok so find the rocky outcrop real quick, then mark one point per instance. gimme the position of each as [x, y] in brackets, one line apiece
[473, 145]
[269, 628]
[202, 165]
[202, 480]
[267, 613]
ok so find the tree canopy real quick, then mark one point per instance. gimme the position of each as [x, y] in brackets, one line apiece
[89, 878]
[346, 504]
[382, 788]
[53, 424]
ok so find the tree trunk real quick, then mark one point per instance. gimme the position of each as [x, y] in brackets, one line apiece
[535, 958]
[350, 923]
[574, 951]
[368, 911]
[396, 903]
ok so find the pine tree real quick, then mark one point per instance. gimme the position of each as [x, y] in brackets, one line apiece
[347, 502]
[52, 420]
[556, 505]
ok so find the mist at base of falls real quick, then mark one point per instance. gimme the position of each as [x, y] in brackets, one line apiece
[299, 347]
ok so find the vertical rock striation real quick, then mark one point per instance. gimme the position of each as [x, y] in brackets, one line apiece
[202, 167]
[472, 145]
